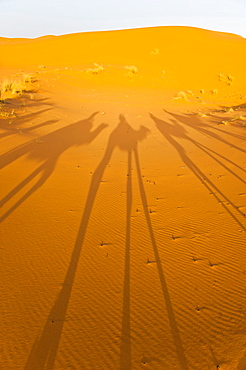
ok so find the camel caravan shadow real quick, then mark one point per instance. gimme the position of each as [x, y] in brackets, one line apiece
[174, 131]
[48, 152]
[44, 350]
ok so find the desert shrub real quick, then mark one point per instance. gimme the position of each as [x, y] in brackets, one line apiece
[132, 69]
[16, 88]
[28, 78]
[96, 70]
[227, 79]
[181, 95]
[155, 52]
[9, 89]
[4, 113]
[12, 87]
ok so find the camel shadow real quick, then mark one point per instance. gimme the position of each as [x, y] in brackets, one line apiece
[44, 350]
[131, 146]
[172, 132]
[43, 353]
[48, 152]
[204, 128]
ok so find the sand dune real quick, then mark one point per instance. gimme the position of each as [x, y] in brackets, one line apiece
[123, 201]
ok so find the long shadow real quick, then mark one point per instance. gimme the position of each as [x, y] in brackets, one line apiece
[205, 149]
[170, 311]
[128, 142]
[175, 130]
[53, 145]
[205, 129]
[208, 151]
[17, 102]
[44, 350]
[14, 130]
[125, 346]
[198, 125]
[11, 129]
[53, 141]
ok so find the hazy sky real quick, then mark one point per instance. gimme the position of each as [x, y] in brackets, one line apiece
[33, 18]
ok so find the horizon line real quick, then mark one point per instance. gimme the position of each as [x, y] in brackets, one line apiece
[122, 29]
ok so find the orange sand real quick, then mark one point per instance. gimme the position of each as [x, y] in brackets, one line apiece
[123, 202]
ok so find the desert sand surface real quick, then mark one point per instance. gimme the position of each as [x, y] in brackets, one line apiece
[123, 201]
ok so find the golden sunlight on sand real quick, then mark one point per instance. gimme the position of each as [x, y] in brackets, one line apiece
[123, 201]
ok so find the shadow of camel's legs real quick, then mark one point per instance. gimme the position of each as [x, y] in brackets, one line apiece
[170, 312]
[211, 187]
[43, 353]
[21, 185]
[164, 128]
[125, 347]
[221, 156]
[44, 350]
[46, 171]
[207, 130]
[209, 151]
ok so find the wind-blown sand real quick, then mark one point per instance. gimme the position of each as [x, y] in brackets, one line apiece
[123, 202]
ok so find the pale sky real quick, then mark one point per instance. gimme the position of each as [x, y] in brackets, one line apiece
[34, 18]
